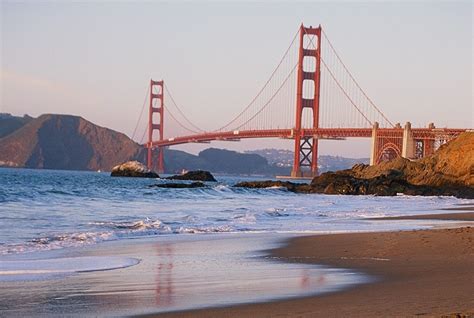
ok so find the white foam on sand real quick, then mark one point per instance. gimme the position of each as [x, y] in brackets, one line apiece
[57, 267]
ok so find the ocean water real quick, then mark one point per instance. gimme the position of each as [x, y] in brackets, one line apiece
[44, 210]
[86, 244]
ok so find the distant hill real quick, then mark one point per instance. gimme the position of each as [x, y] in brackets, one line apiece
[220, 161]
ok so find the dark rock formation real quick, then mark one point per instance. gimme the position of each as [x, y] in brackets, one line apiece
[290, 186]
[198, 175]
[179, 185]
[341, 183]
[133, 169]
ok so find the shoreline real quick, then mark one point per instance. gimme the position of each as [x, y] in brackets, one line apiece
[455, 216]
[418, 273]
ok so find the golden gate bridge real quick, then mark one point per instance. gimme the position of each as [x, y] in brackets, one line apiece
[310, 95]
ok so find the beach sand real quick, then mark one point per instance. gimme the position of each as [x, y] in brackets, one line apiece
[419, 273]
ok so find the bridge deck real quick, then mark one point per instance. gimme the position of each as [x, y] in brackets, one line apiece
[320, 133]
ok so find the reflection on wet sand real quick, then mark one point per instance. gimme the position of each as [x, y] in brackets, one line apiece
[190, 272]
[164, 275]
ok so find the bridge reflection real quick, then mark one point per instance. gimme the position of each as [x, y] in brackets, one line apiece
[164, 275]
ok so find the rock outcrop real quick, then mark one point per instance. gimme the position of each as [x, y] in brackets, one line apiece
[133, 169]
[179, 185]
[449, 171]
[198, 175]
[268, 184]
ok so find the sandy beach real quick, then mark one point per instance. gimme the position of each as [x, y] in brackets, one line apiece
[427, 273]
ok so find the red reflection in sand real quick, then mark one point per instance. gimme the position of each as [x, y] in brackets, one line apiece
[164, 275]
[307, 281]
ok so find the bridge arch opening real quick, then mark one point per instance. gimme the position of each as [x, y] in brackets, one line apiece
[388, 152]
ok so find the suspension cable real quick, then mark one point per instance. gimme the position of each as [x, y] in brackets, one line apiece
[144, 133]
[181, 112]
[141, 113]
[264, 86]
[355, 82]
[179, 123]
[345, 93]
[271, 98]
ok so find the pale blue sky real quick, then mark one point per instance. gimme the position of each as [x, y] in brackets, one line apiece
[95, 58]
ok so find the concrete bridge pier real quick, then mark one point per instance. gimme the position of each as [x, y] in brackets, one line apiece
[374, 151]
[408, 146]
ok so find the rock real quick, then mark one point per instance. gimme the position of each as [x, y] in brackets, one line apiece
[290, 186]
[133, 169]
[342, 183]
[198, 175]
[179, 185]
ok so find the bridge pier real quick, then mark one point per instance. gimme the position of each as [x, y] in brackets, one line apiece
[408, 146]
[374, 151]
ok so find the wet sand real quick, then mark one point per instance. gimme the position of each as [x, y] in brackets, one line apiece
[462, 216]
[170, 273]
[419, 273]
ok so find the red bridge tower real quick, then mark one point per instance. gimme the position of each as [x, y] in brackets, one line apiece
[156, 106]
[308, 80]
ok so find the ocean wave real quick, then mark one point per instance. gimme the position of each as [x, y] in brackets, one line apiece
[134, 225]
[275, 212]
[205, 229]
[222, 188]
[115, 230]
[57, 241]
[277, 188]
[245, 218]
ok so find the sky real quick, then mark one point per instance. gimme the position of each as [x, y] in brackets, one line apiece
[95, 59]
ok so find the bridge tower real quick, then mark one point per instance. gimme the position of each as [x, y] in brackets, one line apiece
[156, 93]
[306, 148]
